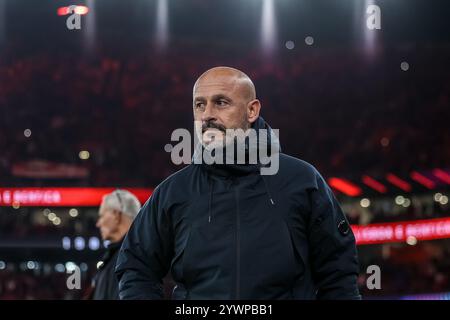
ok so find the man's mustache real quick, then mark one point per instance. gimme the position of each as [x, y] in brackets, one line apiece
[212, 125]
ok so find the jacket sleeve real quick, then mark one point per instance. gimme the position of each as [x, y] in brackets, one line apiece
[332, 246]
[146, 252]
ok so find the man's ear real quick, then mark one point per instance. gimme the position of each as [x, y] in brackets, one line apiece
[253, 108]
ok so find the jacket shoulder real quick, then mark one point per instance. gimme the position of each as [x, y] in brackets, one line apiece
[178, 176]
[297, 166]
[300, 172]
[175, 185]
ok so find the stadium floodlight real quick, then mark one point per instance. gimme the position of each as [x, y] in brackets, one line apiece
[162, 24]
[268, 26]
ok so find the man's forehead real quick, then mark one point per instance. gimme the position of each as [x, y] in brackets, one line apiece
[217, 85]
[103, 208]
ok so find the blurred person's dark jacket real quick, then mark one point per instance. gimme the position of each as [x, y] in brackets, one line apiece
[227, 232]
[105, 285]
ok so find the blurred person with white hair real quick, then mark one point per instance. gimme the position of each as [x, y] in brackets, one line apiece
[116, 214]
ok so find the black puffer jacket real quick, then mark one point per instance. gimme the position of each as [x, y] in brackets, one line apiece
[227, 232]
[105, 282]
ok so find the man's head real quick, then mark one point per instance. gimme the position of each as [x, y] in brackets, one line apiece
[223, 98]
[117, 211]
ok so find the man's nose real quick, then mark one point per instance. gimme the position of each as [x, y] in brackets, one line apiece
[209, 113]
[97, 224]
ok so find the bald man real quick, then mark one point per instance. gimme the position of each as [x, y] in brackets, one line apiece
[226, 230]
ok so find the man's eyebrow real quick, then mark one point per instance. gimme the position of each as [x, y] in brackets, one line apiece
[215, 97]
[199, 99]
[220, 96]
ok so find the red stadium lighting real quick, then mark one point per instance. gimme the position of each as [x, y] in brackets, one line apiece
[399, 183]
[62, 11]
[442, 175]
[81, 10]
[420, 178]
[345, 187]
[374, 184]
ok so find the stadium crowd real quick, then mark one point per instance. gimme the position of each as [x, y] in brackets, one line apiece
[122, 109]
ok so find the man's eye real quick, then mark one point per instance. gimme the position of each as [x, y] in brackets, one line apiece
[222, 103]
[199, 105]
